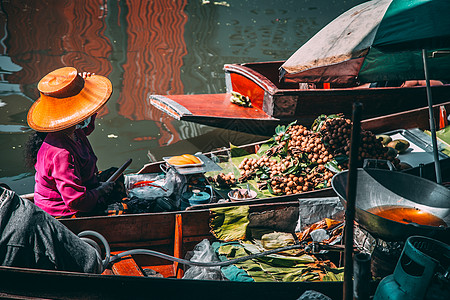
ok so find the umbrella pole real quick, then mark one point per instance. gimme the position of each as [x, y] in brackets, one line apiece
[351, 199]
[437, 166]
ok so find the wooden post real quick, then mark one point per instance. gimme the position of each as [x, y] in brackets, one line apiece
[437, 165]
[351, 197]
[178, 244]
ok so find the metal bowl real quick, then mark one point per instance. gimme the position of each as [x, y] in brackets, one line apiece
[377, 188]
[248, 195]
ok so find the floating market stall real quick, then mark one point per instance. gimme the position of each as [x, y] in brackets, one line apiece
[173, 238]
[222, 165]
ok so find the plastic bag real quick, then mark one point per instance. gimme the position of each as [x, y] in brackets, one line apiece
[177, 183]
[147, 186]
[153, 192]
[203, 252]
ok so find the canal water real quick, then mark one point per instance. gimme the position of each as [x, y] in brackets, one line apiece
[144, 48]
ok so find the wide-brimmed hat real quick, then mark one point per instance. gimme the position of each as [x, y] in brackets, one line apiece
[67, 99]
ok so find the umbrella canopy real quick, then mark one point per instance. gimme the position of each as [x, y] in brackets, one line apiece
[376, 41]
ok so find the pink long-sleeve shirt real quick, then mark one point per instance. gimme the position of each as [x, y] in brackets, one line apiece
[65, 174]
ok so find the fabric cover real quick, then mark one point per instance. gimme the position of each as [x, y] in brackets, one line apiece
[375, 41]
[31, 238]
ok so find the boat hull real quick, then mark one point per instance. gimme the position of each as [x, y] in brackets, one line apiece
[276, 103]
[57, 285]
[170, 233]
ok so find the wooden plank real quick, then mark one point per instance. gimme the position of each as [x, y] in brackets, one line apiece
[127, 267]
[196, 223]
[69, 285]
[206, 105]
[415, 118]
[178, 245]
[126, 228]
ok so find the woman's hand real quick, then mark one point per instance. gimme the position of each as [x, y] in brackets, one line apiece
[105, 188]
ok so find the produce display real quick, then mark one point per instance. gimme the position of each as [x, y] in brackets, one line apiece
[224, 180]
[299, 159]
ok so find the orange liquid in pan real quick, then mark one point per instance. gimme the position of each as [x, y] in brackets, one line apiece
[407, 215]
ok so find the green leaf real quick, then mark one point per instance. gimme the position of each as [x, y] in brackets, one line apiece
[294, 169]
[318, 122]
[321, 185]
[263, 172]
[333, 166]
[237, 151]
[291, 124]
[285, 137]
[341, 158]
[280, 129]
[266, 146]
[269, 187]
[284, 153]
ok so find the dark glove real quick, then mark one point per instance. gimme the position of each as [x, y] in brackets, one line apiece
[105, 188]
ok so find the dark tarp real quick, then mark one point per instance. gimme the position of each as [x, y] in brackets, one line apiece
[31, 238]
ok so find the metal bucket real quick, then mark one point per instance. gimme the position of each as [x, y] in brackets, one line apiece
[377, 188]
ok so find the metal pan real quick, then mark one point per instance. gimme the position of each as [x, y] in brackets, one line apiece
[376, 187]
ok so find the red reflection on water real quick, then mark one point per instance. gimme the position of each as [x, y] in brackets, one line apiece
[45, 35]
[50, 34]
[155, 51]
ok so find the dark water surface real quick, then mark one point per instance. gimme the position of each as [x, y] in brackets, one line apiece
[143, 47]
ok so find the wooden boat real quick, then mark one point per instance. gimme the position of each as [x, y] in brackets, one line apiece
[415, 118]
[275, 102]
[169, 233]
[175, 233]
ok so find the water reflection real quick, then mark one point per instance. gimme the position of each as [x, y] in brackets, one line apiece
[144, 47]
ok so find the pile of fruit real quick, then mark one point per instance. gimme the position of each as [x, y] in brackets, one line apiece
[223, 180]
[302, 159]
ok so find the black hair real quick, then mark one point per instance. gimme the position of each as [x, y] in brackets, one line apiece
[32, 147]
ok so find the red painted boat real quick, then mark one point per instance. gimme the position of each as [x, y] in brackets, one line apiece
[275, 102]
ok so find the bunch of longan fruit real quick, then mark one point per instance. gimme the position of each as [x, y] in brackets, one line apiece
[299, 160]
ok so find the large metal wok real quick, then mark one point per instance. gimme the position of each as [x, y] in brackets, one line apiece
[376, 187]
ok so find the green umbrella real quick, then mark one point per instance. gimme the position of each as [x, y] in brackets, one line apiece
[407, 27]
[379, 40]
[408, 31]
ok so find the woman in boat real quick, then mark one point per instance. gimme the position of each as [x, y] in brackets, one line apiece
[68, 183]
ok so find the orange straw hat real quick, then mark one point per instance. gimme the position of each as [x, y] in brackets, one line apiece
[67, 99]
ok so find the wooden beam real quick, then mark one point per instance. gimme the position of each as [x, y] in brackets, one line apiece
[178, 244]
